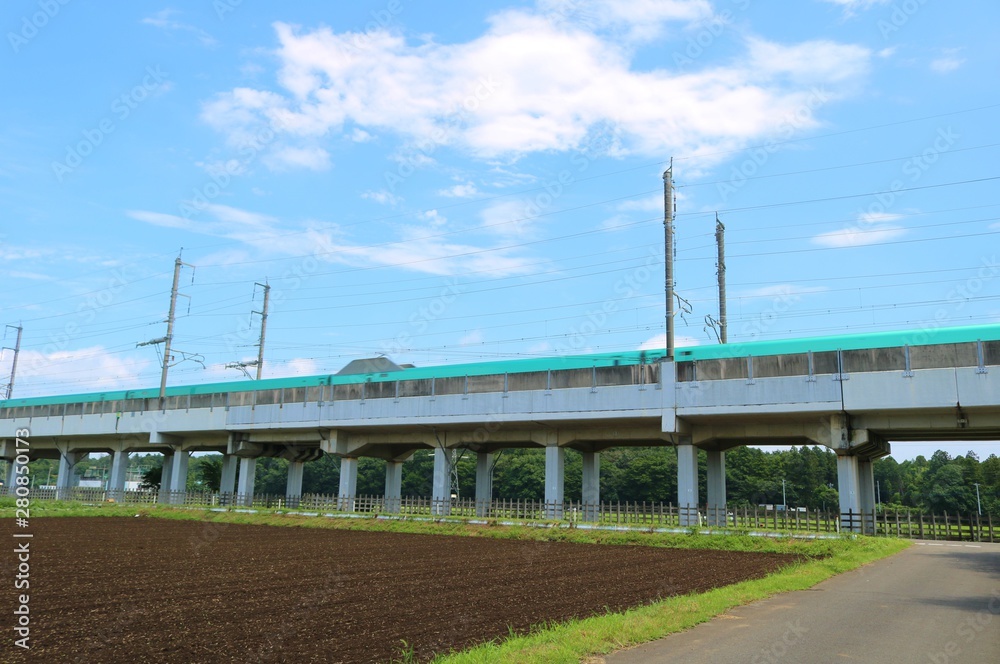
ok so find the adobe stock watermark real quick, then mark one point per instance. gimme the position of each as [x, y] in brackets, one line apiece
[422, 317]
[968, 631]
[914, 168]
[625, 288]
[899, 16]
[958, 298]
[34, 23]
[485, 87]
[794, 634]
[553, 188]
[760, 155]
[705, 34]
[86, 312]
[781, 303]
[222, 176]
[121, 108]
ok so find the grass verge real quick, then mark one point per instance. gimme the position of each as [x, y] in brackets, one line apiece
[576, 640]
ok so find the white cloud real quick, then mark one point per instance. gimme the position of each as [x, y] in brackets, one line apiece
[433, 218]
[462, 190]
[652, 203]
[536, 81]
[781, 290]
[859, 235]
[382, 197]
[84, 369]
[418, 247]
[160, 219]
[948, 62]
[31, 276]
[262, 232]
[636, 20]
[659, 342]
[162, 19]
[312, 158]
[509, 219]
[360, 136]
[852, 7]
[472, 338]
[615, 222]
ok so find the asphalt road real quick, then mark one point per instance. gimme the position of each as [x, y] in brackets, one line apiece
[936, 603]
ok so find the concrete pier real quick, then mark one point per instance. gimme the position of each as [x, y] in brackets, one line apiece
[441, 485]
[348, 483]
[848, 487]
[248, 476]
[591, 493]
[293, 485]
[165, 472]
[555, 464]
[866, 493]
[716, 488]
[12, 473]
[178, 476]
[66, 480]
[119, 469]
[687, 484]
[393, 486]
[484, 483]
[227, 483]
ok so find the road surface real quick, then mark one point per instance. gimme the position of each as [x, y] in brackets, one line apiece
[936, 602]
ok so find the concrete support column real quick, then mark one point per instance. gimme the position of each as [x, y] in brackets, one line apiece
[850, 492]
[293, 485]
[11, 480]
[866, 494]
[555, 463]
[393, 486]
[227, 485]
[165, 472]
[348, 483]
[484, 483]
[66, 480]
[248, 476]
[178, 477]
[13, 474]
[591, 494]
[441, 486]
[716, 488]
[119, 468]
[687, 484]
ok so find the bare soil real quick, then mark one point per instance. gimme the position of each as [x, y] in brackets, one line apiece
[154, 590]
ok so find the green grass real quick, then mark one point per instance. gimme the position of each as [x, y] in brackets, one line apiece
[576, 640]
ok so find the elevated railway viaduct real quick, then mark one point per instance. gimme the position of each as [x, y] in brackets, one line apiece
[855, 394]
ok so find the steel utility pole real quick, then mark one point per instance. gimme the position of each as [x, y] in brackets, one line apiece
[13, 366]
[979, 505]
[720, 239]
[168, 339]
[263, 329]
[259, 362]
[668, 254]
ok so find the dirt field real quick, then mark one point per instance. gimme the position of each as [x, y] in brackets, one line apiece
[152, 590]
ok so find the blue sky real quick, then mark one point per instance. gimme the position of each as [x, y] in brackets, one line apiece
[446, 184]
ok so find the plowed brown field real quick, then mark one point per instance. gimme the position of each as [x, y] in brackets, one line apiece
[154, 590]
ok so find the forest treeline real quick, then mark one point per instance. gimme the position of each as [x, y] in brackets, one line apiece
[753, 477]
